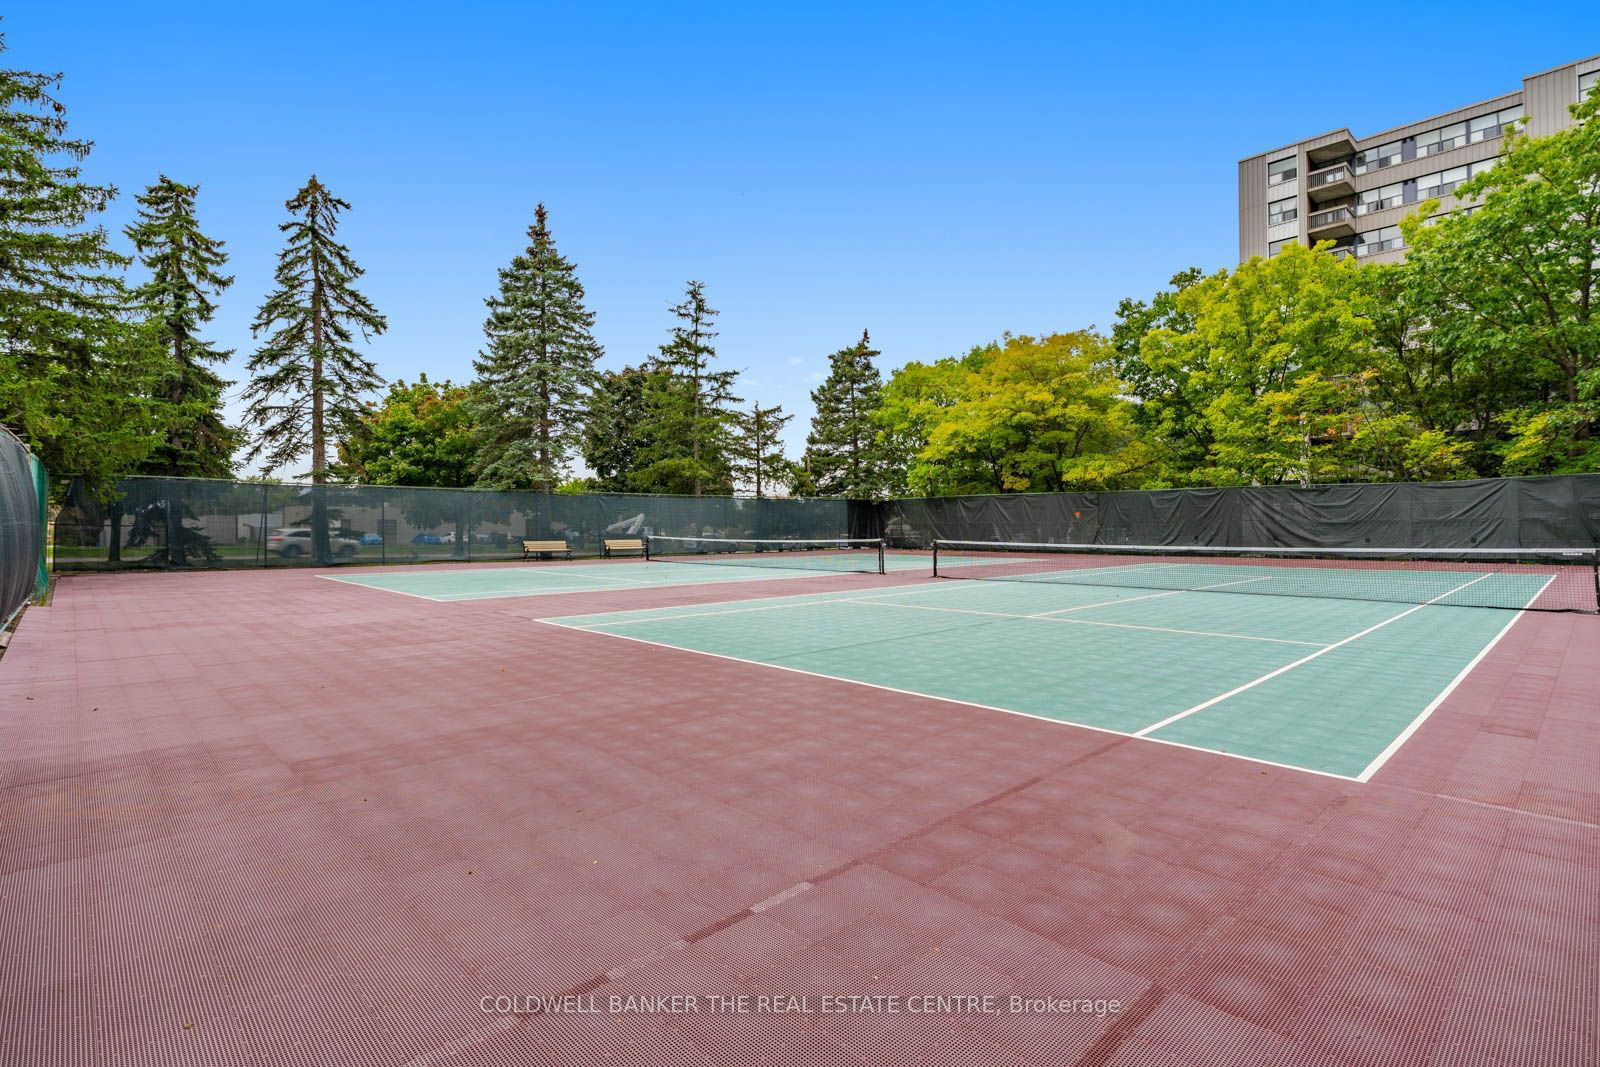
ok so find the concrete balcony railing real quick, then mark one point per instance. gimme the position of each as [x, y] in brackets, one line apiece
[1337, 221]
[1330, 183]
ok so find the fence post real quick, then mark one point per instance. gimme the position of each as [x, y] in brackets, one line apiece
[383, 532]
[261, 531]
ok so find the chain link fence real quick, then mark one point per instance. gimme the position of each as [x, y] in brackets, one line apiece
[194, 522]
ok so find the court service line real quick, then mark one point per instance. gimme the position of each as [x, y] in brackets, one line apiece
[505, 594]
[1157, 596]
[1096, 622]
[951, 700]
[378, 588]
[1170, 719]
[1405, 735]
[794, 600]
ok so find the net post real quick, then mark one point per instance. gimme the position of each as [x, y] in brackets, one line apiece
[646, 539]
[936, 557]
[1594, 569]
[882, 545]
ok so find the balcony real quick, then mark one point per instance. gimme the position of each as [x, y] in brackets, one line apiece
[1333, 182]
[1339, 221]
[1341, 147]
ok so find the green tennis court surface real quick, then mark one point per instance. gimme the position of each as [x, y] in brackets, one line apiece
[540, 579]
[1327, 685]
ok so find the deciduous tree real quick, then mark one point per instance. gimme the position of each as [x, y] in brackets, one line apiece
[1516, 282]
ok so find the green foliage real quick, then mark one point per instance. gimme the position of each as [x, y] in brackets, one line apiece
[1170, 409]
[77, 374]
[691, 421]
[843, 454]
[1511, 289]
[421, 434]
[176, 302]
[758, 461]
[536, 373]
[917, 398]
[577, 487]
[308, 378]
[614, 433]
[1041, 415]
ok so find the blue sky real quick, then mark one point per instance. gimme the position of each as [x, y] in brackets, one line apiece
[937, 173]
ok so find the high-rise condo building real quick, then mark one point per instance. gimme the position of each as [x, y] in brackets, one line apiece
[1353, 191]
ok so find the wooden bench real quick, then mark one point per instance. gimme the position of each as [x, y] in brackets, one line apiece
[612, 545]
[530, 548]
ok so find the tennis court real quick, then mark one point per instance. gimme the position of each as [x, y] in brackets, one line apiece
[257, 817]
[1329, 674]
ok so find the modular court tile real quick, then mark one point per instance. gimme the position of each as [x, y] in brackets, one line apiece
[263, 818]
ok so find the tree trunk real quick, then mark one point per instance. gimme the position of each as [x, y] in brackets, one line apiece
[759, 450]
[320, 546]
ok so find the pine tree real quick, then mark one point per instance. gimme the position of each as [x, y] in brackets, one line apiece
[534, 379]
[308, 376]
[184, 267]
[76, 375]
[843, 456]
[758, 454]
[692, 418]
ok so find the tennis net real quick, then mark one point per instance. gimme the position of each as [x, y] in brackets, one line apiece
[844, 554]
[1538, 579]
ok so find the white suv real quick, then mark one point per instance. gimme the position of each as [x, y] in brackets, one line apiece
[292, 541]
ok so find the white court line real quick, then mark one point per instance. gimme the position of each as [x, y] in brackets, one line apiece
[1092, 622]
[948, 700]
[770, 603]
[378, 588]
[632, 583]
[1170, 719]
[1157, 596]
[1405, 735]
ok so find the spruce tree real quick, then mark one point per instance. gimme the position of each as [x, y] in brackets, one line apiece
[535, 376]
[692, 417]
[758, 454]
[843, 456]
[176, 302]
[308, 377]
[76, 374]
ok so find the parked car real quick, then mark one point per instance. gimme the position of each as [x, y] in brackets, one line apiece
[426, 539]
[291, 541]
[372, 539]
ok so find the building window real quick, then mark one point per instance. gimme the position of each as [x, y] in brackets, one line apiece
[1274, 247]
[1443, 182]
[1385, 155]
[1587, 83]
[1441, 140]
[1370, 200]
[1374, 241]
[1285, 210]
[1486, 126]
[1282, 170]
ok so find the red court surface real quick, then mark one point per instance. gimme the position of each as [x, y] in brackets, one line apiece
[261, 818]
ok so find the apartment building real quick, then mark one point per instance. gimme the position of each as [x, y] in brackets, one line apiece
[1353, 191]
